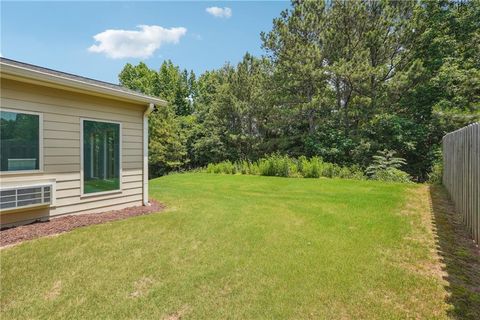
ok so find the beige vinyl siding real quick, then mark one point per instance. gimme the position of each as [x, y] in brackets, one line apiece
[62, 111]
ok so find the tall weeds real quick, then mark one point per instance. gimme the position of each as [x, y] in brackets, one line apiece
[284, 166]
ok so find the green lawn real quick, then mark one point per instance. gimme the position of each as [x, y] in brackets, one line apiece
[239, 247]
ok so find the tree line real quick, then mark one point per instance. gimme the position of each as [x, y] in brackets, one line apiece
[339, 80]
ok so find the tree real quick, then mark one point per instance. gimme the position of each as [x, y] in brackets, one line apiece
[173, 86]
[167, 137]
[340, 79]
[167, 142]
[444, 94]
[295, 48]
[389, 74]
[139, 78]
[338, 62]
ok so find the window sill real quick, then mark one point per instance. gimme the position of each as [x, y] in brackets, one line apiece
[99, 194]
[20, 172]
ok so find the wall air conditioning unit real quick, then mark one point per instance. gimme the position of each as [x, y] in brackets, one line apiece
[23, 197]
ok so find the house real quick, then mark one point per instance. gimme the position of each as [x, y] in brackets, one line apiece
[69, 144]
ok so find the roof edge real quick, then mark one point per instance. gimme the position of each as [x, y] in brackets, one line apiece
[16, 72]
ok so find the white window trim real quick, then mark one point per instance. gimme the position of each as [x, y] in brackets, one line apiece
[93, 194]
[40, 144]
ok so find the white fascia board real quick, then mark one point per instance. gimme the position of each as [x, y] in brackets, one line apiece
[35, 76]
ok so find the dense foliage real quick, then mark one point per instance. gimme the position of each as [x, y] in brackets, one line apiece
[340, 80]
[277, 165]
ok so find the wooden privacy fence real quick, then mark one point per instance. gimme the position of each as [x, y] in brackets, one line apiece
[461, 174]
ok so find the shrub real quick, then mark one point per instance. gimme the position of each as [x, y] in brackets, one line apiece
[265, 167]
[225, 167]
[310, 168]
[328, 170]
[242, 167]
[384, 160]
[214, 168]
[344, 173]
[254, 169]
[435, 176]
[356, 172]
[277, 165]
[246, 167]
[353, 172]
[284, 166]
[301, 162]
[392, 175]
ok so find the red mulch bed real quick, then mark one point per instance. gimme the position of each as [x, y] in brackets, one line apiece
[67, 223]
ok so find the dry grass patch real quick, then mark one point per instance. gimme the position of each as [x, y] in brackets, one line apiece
[55, 291]
[179, 314]
[141, 287]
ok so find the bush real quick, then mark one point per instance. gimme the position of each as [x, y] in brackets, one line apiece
[254, 168]
[310, 168]
[356, 172]
[284, 166]
[384, 161]
[277, 165]
[225, 167]
[246, 167]
[435, 176]
[392, 175]
[353, 172]
[265, 167]
[328, 170]
[344, 173]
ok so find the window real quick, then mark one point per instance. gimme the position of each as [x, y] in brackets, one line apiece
[20, 141]
[101, 156]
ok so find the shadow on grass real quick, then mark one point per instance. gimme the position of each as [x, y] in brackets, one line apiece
[460, 256]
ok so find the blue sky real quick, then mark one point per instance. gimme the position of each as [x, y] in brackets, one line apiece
[58, 35]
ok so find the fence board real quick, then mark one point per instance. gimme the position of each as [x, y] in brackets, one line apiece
[461, 174]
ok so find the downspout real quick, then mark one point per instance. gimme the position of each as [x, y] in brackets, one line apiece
[149, 110]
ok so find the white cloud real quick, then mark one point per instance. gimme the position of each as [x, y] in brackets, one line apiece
[117, 44]
[220, 12]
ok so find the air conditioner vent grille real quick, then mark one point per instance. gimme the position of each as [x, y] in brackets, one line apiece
[25, 196]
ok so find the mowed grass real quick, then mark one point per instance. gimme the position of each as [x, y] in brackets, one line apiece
[239, 247]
